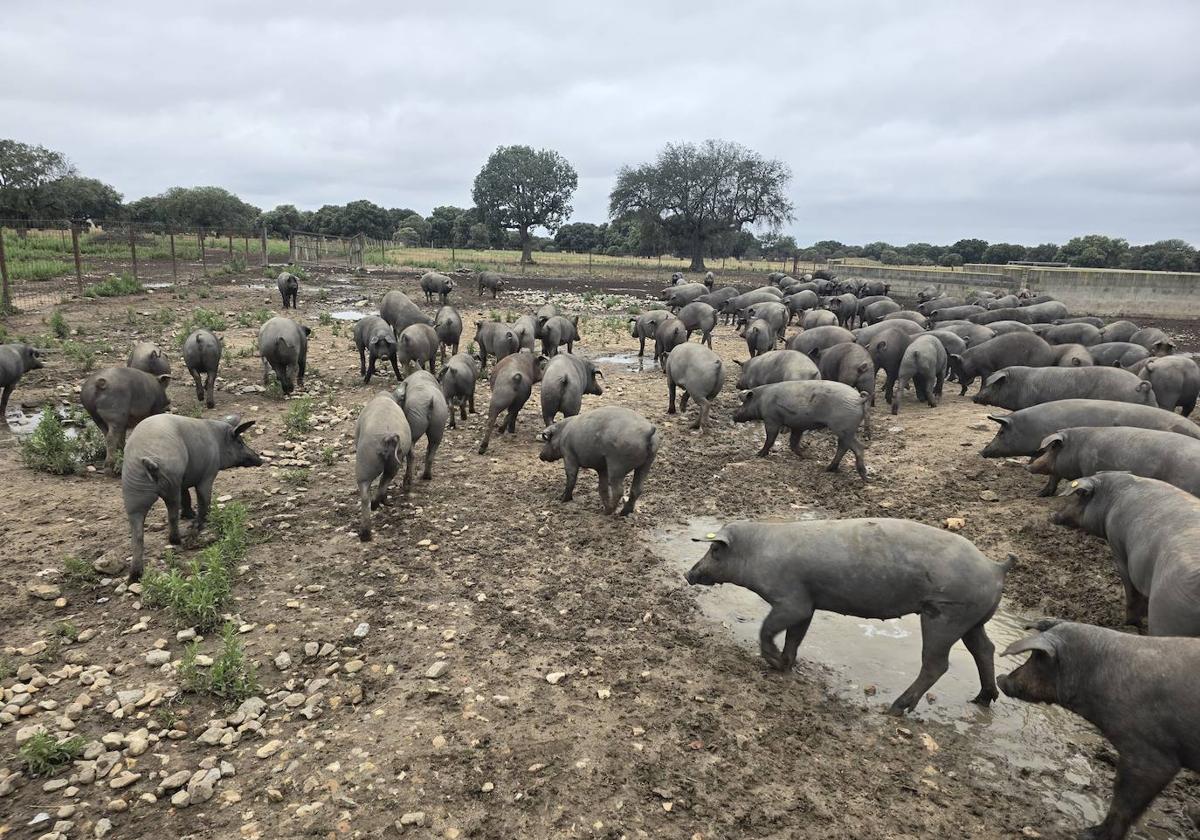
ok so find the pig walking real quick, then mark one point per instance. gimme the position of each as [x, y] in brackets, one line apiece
[382, 439]
[1143, 694]
[117, 399]
[698, 371]
[870, 568]
[166, 457]
[611, 440]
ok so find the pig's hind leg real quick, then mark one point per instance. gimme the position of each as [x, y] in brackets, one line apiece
[983, 651]
[938, 634]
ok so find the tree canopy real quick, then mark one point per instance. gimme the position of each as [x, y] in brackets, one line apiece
[696, 193]
[520, 188]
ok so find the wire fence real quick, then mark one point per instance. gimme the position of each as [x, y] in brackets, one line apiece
[44, 261]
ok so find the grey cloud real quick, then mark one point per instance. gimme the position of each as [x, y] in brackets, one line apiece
[1023, 121]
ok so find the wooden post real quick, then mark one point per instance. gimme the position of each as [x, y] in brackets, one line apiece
[292, 248]
[589, 261]
[174, 268]
[5, 294]
[133, 252]
[264, 248]
[383, 251]
[203, 259]
[230, 235]
[246, 243]
[78, 262]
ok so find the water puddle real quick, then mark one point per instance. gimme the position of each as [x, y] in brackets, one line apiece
[349, 314]
[628, 361]
[160, 285]
[1049, 743]
[22, 421]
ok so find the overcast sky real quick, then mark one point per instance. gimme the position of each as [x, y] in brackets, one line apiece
[902, 121]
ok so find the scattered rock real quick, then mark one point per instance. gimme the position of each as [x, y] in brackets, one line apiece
[555, 677]
[158, 657]
[437, 669]
[102, 828]
[269, 749]
[176, 780]
[955, 523]
[44, 591]
[283, 661]
[354, 666]
[989, 496]
[413, 818]
[123, 780]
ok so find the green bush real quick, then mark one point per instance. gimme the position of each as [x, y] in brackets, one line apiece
[125, 284]
[298, 419]
[79, 353]
[202, 319]
[59, 326]
[198, 594]
[79, 573]
[48, 449]
[43, 755]
[232, 677]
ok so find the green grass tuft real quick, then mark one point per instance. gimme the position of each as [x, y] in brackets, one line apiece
[125, 284]
[232, 676]
[43, 755]
[298, 419]
[79, 573]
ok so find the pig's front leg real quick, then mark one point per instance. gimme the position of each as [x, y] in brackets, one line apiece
[1140, 778]
[783, 616]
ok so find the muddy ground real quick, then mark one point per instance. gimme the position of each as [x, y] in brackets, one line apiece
[588, 693]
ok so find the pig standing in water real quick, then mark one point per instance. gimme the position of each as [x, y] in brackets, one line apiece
[458, 378]
[1153, 530]
[1074, 453]
[283, 345]
[870, 568]
[382, 439]
[166, 457]
[802, 406]
[611, 440]
[645, 325]
[1143, 694]
[512, 382]
[15, 361]
[420, 395]
[117, 399]
[698, 371]
[289, 289]
[146, 356]
[202, 354]
[565, 380]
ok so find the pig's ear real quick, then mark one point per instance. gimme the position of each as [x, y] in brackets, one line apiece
[1034, 642]
[164, 380]
[1083, 486]
[232, 419]
[307, 330]
[716, 539]
[997, 378]
[1144, 385]
[864, 367]
[1003, 419]
[746, 396]
[1054, 441]
[739, 362]
[241, 428]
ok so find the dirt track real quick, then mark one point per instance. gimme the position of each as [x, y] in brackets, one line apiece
[660, 725]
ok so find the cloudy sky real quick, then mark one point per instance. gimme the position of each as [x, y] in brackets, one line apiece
[901, 121]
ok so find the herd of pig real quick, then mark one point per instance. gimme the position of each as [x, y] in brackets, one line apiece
[1090, 402]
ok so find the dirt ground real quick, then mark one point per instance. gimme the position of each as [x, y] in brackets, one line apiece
[585, 694]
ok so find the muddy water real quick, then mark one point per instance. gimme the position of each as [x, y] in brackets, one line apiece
[856, 655]
[627, 362]
[349, 314]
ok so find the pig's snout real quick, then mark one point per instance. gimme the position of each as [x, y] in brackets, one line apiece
[696, 576]
[1005, 683]
[977, 399]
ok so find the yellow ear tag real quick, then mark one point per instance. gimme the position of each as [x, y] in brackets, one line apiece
[1074, 483]
[710, 536]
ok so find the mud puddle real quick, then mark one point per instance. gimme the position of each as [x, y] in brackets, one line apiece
[22, 421]
[1048, 743]
[627, 362]
[349, 314]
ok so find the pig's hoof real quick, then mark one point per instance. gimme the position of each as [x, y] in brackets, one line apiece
[775, 660]
[211, 404]
[985, 698]
[174, 539]
[896, 710]
[565, 497]
[364, 534]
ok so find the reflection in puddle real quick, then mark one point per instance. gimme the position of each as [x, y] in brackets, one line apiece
[22, 422]
[1049, 743]
[349, 315]
[628, 361]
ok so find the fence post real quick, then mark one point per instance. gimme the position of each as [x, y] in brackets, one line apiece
[5, 295]
[133, 252]
[292, 248]
[246, 242]
[75, 251]
[174, 268]
[264, 247]
[230, 235]
[383, 251]
[203, 258]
